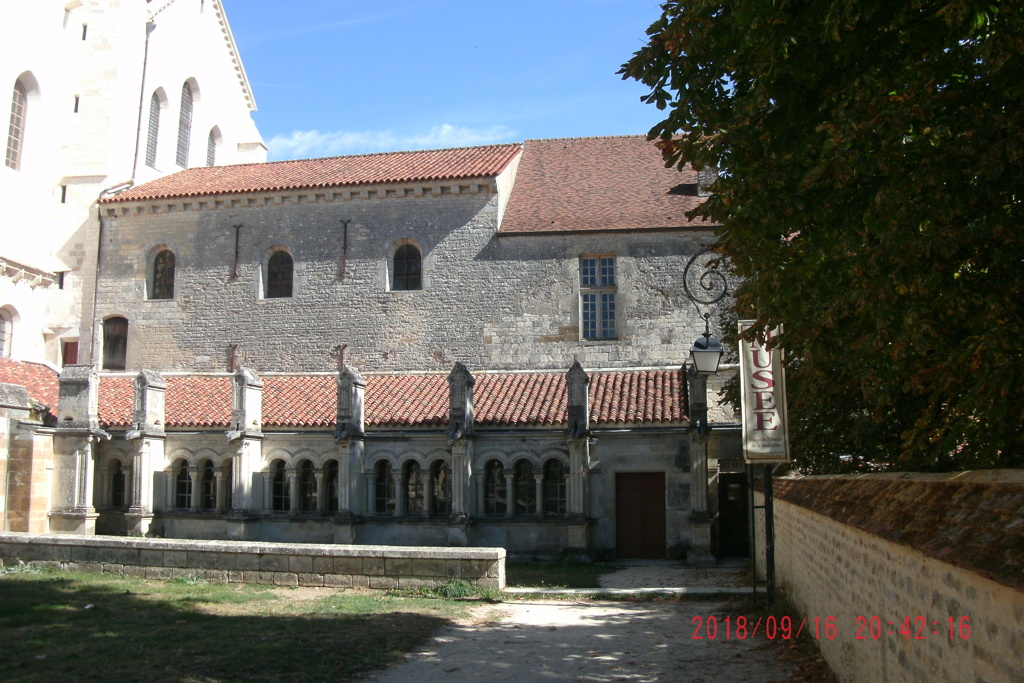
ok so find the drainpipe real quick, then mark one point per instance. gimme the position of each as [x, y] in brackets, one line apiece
[150, 25]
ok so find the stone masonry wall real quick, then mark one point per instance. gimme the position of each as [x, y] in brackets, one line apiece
[873, 551]
[338, 566]
[488, 300]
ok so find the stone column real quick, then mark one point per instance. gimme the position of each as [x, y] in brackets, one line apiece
[75, 443]
[268, 492]
[700, 521]
[246, 434]
[196, 475]
[321, 492]
[538, 479]
[396, 480]
[350, 437]
[460, 438]
[428, 493]
[293, 490]
[148, 431]
[221, 489]
[510, 493]
[478, 478]
[578, 442]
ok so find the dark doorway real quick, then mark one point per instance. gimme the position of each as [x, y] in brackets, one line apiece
[640, 515]
[733, 515]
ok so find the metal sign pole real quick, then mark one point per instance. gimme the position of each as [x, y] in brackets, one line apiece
[769, 534]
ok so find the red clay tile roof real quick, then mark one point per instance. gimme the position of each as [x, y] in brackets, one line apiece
[521, 399]
[605, 183]
[364, 169]
[195, 401]
[39, 380]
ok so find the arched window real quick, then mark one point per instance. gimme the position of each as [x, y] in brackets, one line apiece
[307, 487]
[153, 134]
[332, 480]
[279, 275]
[162, 284]
[16, 131]
[554, 487]
[383, 490]
[412, 487]
[6, 332]
[441, 488]
[495, 490]
[115, 343]
[184, 125]
[407, 269]
[211, 146]
[118, 486]
[526, 488]
[208, 487]
[279, 487]
[182, 486]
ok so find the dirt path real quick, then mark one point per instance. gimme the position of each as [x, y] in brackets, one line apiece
[593, 641]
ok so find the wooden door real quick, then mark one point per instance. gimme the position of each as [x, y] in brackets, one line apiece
[640, 515]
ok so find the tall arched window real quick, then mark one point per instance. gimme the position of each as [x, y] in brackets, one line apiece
[208, 487]
[153, 134]
[307, 487]
[412, 486]
[526, 488]
[162, 284]
[279, 487]
[332, 481]
[211, 146]
[118, 486]
[182, 486]
[383, 490]
[279, 275]
[554, 487]
[16, 131]
[6, 332]
[441, 488]
[407, 269]
[115, 343]
[495, 490]
[184, 125]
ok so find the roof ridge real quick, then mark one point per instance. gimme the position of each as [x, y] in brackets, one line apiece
[356, 156]
[587, 137]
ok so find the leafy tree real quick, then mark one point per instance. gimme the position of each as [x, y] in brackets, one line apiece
[872, 156]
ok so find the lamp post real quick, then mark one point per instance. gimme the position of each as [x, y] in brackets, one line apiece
[704, 284]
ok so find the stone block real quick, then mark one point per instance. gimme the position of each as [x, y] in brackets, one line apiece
[274, 563]
[92, 567]
[84, 554]
[249, 562]
[394, 566]
[338, 580]
[430, 567]
[175, 558]
[151, 558]
[383, 582]
[236, 577]
[323, 565]
[285, 579]
[159, 573]
[373, 566]
[299, 564]
[135, 571]
[309, 579]
[453, 569]
[111, 568]
[61, 553]
[259, 577]
[348, 565]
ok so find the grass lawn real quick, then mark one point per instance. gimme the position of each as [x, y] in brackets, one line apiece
[556, 574]
[70, 626]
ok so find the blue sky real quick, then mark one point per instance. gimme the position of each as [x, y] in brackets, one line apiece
[336, 77]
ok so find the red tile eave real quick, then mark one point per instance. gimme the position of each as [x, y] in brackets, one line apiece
[511, 400]
[40, 381]
[469, 163]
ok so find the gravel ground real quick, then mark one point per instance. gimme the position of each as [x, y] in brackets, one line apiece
[591, 641]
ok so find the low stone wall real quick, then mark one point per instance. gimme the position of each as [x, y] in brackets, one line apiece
[869, 556]
[283, 564]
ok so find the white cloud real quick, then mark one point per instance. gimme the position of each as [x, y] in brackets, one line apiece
[313, 143]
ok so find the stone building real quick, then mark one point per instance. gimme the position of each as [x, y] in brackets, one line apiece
[103, 95]
[478, 346]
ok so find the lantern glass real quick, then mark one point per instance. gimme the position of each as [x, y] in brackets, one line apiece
[706, 354]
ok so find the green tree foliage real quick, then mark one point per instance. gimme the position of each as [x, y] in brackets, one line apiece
[873, 171]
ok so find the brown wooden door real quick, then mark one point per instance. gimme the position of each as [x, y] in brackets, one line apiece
[640, 515]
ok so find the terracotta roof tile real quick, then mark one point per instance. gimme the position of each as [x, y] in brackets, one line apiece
[194, 401]
[364, 169]
[299, 401]
[601, 183]
[39, 380]
[533, 399]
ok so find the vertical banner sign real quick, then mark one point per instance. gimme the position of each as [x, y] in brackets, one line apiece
[763, 395]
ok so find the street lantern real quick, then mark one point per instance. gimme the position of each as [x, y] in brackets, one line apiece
[706, 351]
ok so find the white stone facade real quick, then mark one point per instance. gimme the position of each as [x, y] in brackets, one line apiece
[89, 70]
